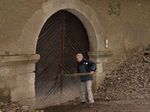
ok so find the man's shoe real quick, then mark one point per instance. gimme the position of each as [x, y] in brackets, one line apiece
[83, 103]
[91, 105]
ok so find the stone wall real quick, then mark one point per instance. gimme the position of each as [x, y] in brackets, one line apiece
[13, 17]
[124, 23]
[17, 78]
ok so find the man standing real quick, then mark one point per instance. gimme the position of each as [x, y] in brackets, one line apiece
[86, 66]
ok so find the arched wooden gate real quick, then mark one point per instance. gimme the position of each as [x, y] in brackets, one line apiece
[62, 36]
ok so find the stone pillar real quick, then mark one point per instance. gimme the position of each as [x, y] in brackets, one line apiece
[99, 57]
[17, 76]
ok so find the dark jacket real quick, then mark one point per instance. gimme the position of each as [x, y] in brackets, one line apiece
[86, 66]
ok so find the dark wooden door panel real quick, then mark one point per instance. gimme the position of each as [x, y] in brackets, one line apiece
[62, 36]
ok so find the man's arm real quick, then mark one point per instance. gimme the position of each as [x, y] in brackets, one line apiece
[92, 67]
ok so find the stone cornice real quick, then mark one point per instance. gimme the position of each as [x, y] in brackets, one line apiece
[6, 60]
[100, 54]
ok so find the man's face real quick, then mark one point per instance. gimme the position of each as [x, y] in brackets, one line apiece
[79, 57]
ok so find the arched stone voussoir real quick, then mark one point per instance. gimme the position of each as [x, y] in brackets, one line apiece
[31, 31]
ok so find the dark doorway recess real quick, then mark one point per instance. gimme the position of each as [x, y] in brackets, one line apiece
[62, 36]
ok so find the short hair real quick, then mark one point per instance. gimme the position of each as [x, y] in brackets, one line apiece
[79, 54]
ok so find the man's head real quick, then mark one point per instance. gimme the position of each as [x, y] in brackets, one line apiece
[79, 57]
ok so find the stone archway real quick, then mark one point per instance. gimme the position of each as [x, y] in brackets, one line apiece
[61, 38]
[29, 37]
[84, 12]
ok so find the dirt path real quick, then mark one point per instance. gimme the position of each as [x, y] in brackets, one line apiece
[101, 107]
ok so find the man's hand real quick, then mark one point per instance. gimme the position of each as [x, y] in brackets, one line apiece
[92, 72]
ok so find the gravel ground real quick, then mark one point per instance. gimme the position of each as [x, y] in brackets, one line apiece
[130, 81]
[101, 107]
[14, 107]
